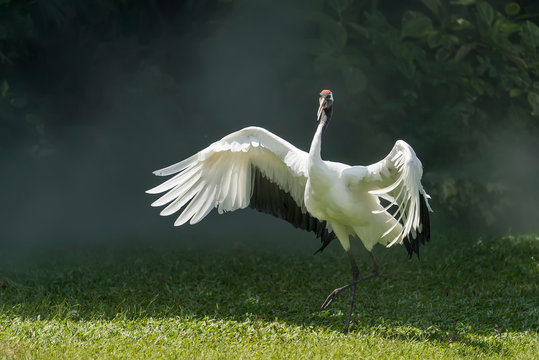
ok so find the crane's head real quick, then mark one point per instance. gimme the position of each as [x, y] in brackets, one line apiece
[326, 102]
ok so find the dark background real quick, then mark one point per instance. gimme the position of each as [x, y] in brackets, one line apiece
[96, 95]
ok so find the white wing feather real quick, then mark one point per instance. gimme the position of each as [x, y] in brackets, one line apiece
[397, 178]
[220, 175]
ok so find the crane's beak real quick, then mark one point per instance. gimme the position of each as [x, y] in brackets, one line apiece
[321, 108]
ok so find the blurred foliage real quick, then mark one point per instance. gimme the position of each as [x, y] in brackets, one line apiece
[36, 36]
[447, 74]
[26, 28]
[444, 74]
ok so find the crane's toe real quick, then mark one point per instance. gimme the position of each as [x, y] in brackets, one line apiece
[331, 297]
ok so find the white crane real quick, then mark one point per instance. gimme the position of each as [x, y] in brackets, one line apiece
[253, 167]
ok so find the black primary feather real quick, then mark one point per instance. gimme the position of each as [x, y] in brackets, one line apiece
[412, 245]
[268, 198]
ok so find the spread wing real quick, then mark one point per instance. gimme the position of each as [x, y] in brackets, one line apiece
[251, 167]
[397, 179]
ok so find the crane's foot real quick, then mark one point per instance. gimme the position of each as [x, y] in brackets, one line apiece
[332, 297]
[338, 291]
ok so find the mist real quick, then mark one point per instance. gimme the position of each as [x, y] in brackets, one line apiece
[139, 107]
[125, 106]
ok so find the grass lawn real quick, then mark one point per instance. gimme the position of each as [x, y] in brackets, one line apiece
[465, 298]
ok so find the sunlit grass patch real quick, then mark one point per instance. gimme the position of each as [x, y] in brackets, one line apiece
[465, 298]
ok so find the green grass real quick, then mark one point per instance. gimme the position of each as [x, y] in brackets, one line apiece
[465, 298]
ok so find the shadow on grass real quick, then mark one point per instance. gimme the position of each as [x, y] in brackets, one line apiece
[462, 290]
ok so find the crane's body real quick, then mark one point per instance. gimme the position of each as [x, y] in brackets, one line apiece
[253, 167]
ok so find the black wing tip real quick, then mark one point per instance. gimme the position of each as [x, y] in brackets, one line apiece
[326, 239]
[423, 237]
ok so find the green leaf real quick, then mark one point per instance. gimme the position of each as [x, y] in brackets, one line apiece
[515, 92]
[376, 19]
[399, 50]
[518, 61]
[501, 30]
[512, 8]
[333, 33]
[433, 5]
[407, 68]
[417, 26]
[454, 40]
[533, 99]
[462, 52]
[478, 85]
[459, 23]
[361, 30]
[485, 12]
[355, 79]
[507, 28]
[442, 54]
[407, 51]
[4, 87]
[435, 39]
[530, 34]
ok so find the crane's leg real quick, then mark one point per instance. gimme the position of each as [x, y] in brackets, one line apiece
[355, 277]
[356, 280]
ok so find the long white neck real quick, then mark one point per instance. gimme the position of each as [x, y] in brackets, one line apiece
[316, 144]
